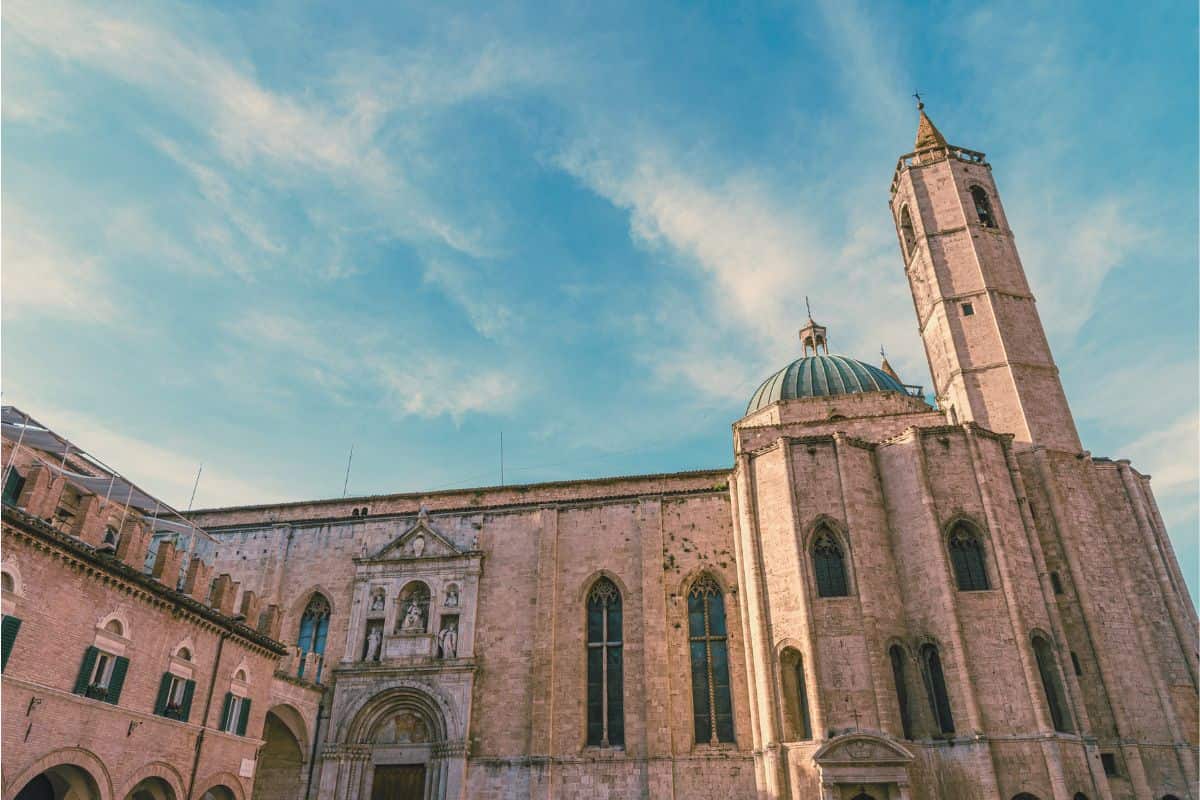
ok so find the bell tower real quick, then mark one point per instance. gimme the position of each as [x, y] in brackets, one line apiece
[987, 351]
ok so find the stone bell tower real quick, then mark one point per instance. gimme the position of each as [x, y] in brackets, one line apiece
[987, 351]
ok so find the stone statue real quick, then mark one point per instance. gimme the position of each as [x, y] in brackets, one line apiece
[418, 546]
[377, 602]
[448, 639]
[452, 596]
[414, 620]
[373, 640]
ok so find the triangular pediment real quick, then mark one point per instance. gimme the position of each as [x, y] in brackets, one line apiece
[862, 748]
[418, 541]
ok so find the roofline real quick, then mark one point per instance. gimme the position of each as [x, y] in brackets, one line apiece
[699, 473]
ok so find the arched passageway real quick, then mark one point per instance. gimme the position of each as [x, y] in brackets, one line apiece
[64, 782]
[219, 793]
[280, 774]
[152, 789]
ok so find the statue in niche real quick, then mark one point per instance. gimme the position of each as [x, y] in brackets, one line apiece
[377, 601]
[414, 620]
[448, 638]
[418, 546]
[452, 596]
[374, 638]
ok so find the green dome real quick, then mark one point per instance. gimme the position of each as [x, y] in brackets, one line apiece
[822, 376]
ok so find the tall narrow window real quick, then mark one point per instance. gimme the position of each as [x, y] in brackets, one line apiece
[983, 207]
[896, 653]
[1056, 583]
[966, 553]
[605, 689]
[1048, 670]
[314, 625]
[829, 565]
[795, 695]
[907, 234]
[13, 485]
[935, 687]
[712, 706]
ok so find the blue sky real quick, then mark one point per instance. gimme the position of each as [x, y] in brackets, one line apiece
[251, 236]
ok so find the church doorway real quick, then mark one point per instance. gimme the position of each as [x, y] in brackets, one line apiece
[399, 782]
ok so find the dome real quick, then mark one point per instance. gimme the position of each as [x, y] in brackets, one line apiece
[822, 376]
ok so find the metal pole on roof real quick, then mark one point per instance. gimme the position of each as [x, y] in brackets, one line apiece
[194, 485]
[349, 461]
[501, 458]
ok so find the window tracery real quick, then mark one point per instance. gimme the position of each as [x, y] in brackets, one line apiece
[966, 555]
[314, 626]
[712, 705]
[605, 666]
[829, 565]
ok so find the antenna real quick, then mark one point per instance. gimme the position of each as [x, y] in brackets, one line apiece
[501, 458]
[349, 461]
[191, 499]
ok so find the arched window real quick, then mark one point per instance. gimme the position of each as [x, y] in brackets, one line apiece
[1048, 670]
[1056, 583]
[1082, 796]
[314, 625]
[896, 654]
[111, 537]
[7, 583]
[712, 706]
[115, 626]
[829, 565]
[966, 553]
[935, 687]
[983, 207]
[795, 695]
[184, 654]
[1025, 796]
[605, 683]
[907, 235]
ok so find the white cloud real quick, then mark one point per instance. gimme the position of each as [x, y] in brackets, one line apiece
[44, 276]
[490, 316]
[1169, 454]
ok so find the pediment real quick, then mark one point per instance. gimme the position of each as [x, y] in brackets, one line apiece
[861, 748]
[418, 541]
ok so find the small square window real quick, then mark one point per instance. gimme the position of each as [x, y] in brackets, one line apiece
[1056, 582]
[1110, 763]
[968, 310]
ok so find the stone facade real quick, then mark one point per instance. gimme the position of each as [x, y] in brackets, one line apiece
[880, 600]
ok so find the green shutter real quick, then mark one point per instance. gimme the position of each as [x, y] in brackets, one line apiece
[185, 709]
[85, 669]
[164, 692]
[118, 680]
[225, 710]
[245, 717]
[8, 635]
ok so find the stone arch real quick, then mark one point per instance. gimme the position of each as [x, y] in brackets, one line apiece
[296, 610]
[155, 770]
[120, 618]
[65, 760]
[696, 573]
[187, 644]
[9, 567]
[586, 585]
[409, 696]
[221, 786]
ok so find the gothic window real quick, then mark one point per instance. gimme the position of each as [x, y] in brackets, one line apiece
[983, 207]
[712, 706]
[966, 553]
[314, 625]
[829, 565]
[906, 232]
[1056, 583]
[935, 688]
[795, 695]
[1048, 670]
[896, 654]
[13, 484]
[605, 684]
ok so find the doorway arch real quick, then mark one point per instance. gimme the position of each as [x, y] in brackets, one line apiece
[63, 782]
[281, 760]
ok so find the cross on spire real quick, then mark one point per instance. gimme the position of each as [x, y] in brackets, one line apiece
[917, 94]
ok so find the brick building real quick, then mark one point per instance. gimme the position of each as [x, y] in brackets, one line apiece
[880, 600]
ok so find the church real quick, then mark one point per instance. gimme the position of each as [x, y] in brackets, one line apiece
[881, 599]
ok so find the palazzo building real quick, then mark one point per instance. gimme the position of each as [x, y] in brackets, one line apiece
[882, 599]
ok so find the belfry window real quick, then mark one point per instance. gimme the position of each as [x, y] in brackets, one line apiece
[795, 695]
[935, 687]
[605, 682]
[1048, 670]
[712, 705]
[829, 565]
[314, 625]
[896, 654]
[983, 207]
[907, 235]
[966, 554]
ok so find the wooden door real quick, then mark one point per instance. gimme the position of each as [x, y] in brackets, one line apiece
[399, 782]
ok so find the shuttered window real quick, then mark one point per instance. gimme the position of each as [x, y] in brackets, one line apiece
[8, 636]
[235, 714]
[174, 697]
[101, 675]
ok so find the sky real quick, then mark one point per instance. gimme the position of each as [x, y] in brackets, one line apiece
[254, 235]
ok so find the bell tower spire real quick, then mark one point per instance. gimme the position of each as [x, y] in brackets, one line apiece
[987, 351]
